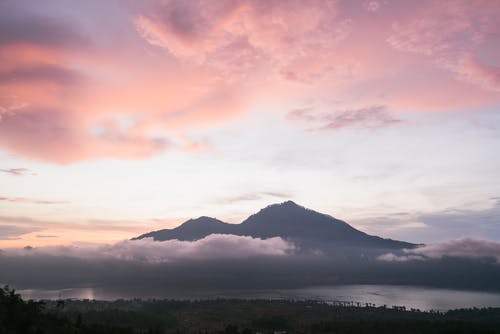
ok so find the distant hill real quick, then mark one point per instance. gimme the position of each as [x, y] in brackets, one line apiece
[287, 220]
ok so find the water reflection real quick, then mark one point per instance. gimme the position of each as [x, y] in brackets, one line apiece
[422, 298]
[77, 293]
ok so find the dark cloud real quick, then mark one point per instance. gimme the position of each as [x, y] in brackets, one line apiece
[185, 19]
[19, 26]
[164, 269]
[457, 223]
[17, 171]
[42, 72]
[365, 118]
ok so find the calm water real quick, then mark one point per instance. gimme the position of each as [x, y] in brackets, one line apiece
[422, 298]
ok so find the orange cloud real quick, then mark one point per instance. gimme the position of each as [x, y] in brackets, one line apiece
[22, 231]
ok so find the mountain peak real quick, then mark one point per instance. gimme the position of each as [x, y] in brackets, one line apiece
[290, 203]
[287, 212]
[193, 229]
[284, 205]
[286, 220]
[203, 220]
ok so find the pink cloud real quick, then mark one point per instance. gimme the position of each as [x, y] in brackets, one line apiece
[365, 118]
[480, 73]
[30, 200]
[63, 97]
[456, 36]
[62, 137]
[160, 70]
[371, 6]
[248, 35]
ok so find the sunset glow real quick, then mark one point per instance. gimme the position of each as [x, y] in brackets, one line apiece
[122, 117]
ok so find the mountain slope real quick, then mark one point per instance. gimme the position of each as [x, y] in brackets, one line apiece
[287, 220]
[191, 230]
[292, 221]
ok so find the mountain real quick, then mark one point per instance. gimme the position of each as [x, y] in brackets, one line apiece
[287, 220]
[193, 229]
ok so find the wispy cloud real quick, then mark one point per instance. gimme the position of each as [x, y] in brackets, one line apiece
[460, 248]
[365, 118]
[98, 225]
[255, 196]
[452, 34]
[372, 5]
[31, 200]
[18, 171]
[12, 232]
[436, 226]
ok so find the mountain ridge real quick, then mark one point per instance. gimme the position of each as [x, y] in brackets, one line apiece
[287, 220]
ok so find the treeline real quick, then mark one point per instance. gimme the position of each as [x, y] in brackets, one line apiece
[30, 317]
[230, 317]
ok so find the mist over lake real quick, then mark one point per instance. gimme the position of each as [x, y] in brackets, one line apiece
[422, 298]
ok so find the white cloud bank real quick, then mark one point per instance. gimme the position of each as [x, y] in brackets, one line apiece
[463, 248]
[214, 246]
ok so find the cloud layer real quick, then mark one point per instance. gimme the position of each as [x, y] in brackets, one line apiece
[146, 268]
[66, 96]
[461, 248]
[215, 246]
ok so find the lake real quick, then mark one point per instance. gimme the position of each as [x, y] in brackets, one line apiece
[423, 298]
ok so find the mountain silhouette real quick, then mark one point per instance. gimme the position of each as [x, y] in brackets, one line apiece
[191, 230]
[286, 220]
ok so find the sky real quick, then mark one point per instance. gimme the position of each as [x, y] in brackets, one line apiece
[122, 117]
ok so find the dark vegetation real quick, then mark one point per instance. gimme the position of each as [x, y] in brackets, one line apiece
[230, 316]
